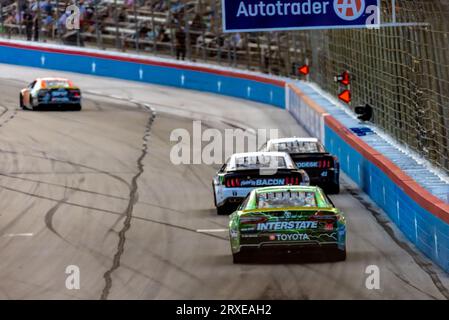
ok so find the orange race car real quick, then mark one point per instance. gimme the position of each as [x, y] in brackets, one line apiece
[47, 92]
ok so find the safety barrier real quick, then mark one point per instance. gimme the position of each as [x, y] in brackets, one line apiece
[151, 70]
[422, 217]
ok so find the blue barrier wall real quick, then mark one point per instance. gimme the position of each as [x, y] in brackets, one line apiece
[171, 76]
[429, 233]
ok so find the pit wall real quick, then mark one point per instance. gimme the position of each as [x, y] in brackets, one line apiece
[423, 218]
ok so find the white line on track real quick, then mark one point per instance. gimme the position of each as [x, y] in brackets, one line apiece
[211, 230]
[18, 235]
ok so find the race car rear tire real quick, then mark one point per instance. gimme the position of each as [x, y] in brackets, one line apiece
[31, 104]
[77, 107]
[215, 196]
[239, 257]
[333, 188]
[21, 102]
[223, 209]
[338, 255]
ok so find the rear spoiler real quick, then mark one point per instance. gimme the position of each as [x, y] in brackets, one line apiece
[290, 209]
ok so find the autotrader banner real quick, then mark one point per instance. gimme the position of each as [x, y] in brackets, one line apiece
[260, 15]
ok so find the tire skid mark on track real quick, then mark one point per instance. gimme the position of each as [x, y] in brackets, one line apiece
[22, 213]
[427, 267]
[64, 186]
[209, 116]
[97, 105]
[50, 214]
[139, 272]
[133, 196]
[171, 264]
[87, 191]
[302, 294]
[57, 200]
[69, 163]
[171, 225]
[113, 212]
[408, 283]
[5, 109]
[4, 118]
[16, 219]
[39, 289]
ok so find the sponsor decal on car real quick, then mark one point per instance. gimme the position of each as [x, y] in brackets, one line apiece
[263, 182]
[289, 237]
[234, 233]
[287, 225]
[250, 235]
[310, 164]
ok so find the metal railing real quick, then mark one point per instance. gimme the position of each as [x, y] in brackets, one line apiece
[402, 72]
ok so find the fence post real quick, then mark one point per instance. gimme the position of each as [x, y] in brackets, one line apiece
[261, 56]
[78, 32]
[117, 40]
[137, 35]
[216, 31]
[248, 52]
[2, 25]
[20, 17]
[38, 21]
[188, 40]
[153, 30]
[97, 27]
[170, 26]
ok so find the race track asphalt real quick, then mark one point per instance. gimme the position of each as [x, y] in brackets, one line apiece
[96, 189]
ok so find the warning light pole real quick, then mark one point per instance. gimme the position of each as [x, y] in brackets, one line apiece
[304, 70]
[344, 81]
[345, 96]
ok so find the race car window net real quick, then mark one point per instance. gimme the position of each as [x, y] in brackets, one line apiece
[223, 167]
[31, 86]
[245, 202]
[282, 199]
[260, 162]
[297, 147]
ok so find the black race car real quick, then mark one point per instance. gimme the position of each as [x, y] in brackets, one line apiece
[245, 171]
[309, 154]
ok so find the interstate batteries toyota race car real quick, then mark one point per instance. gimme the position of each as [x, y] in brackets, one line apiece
[287, 219]
[309, 154]
[246, 171]
[55, 92]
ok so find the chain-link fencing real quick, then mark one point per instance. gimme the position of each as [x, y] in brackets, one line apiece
[402, 72]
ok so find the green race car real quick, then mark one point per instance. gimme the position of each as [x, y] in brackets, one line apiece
[287, 219]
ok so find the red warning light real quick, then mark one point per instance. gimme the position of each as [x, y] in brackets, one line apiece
[344, 78]
[345, 96]
[304, 70]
